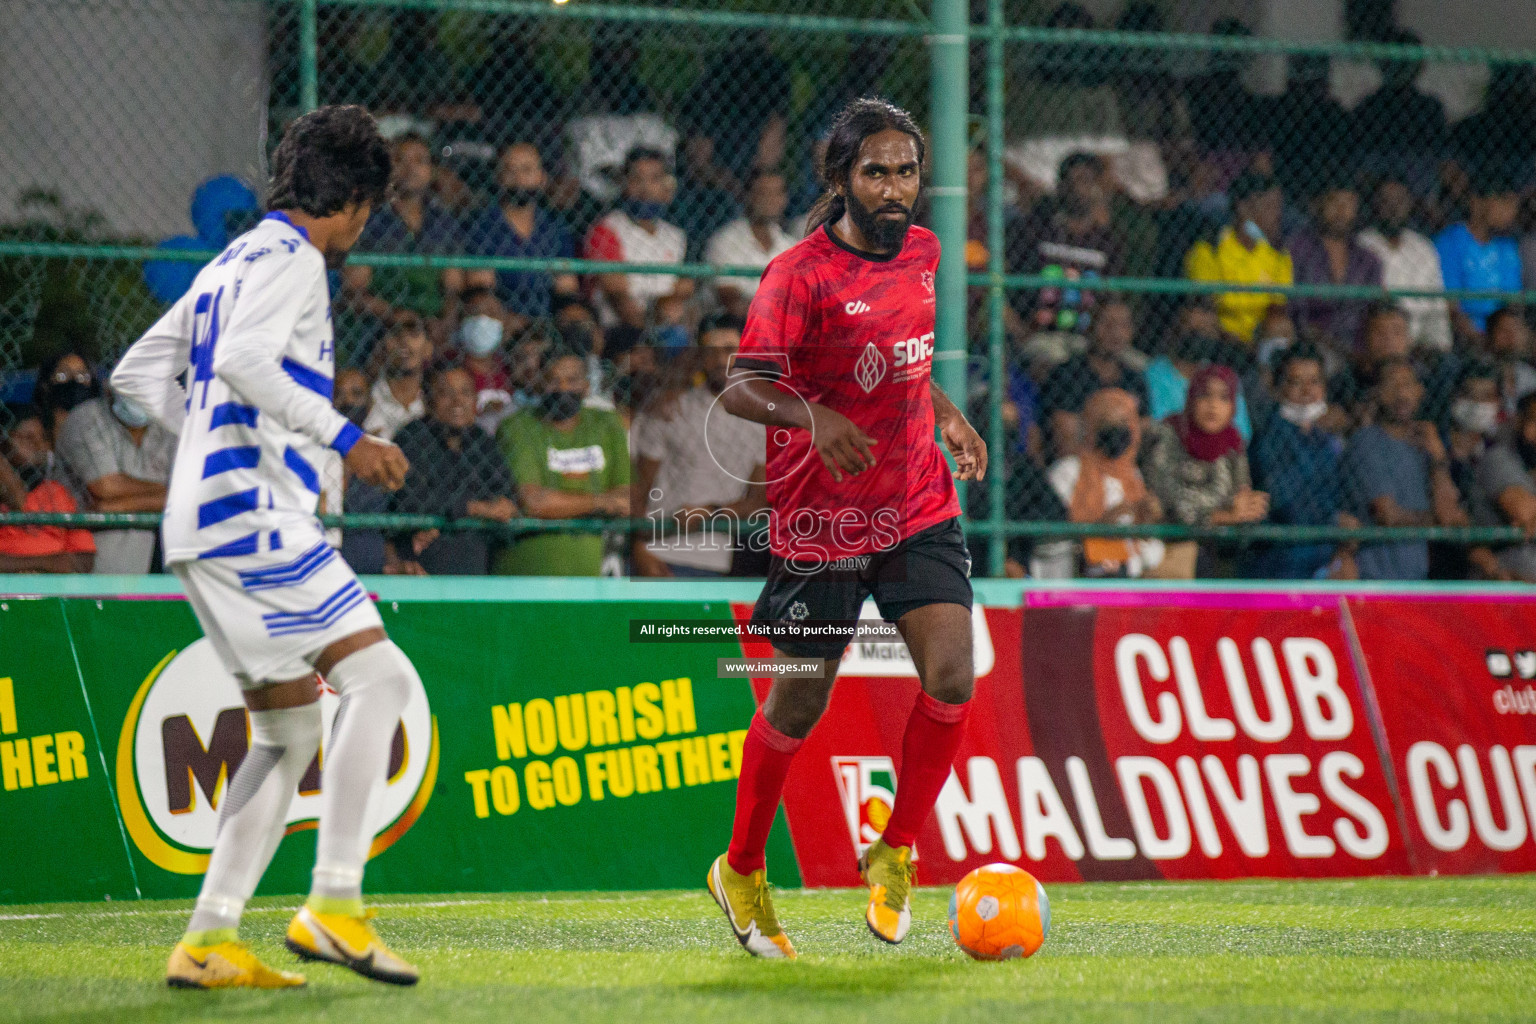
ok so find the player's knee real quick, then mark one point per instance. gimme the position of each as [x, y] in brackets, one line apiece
[794, 706]
[296, 731]
[951, 683]
[381, 670]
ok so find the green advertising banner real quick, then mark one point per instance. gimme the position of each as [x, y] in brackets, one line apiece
[60, 837]
[544, 751]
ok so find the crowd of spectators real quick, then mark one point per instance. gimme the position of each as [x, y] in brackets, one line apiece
[540, 394]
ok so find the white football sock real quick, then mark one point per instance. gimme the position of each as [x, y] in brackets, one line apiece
[251, 818]
[374, 683]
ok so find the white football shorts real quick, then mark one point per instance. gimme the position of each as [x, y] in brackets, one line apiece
[270, 615]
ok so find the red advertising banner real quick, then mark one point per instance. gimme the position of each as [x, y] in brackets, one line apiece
[1202, 735]
[1456, 684]
[1237, 739]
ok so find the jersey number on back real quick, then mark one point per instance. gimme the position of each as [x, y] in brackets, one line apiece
[205, 334]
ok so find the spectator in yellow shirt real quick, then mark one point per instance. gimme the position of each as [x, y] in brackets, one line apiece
[1243, 253]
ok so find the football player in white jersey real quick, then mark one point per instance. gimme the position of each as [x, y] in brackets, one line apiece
[252, 342]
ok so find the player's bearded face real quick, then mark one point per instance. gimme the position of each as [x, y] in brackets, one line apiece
[885, 225]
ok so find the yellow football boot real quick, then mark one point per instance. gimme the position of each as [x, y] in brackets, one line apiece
[223, 965]
[748, 905]
[348, 940]
[890, 875]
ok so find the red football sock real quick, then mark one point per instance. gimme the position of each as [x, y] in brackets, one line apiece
[765, 760]
[933, 736]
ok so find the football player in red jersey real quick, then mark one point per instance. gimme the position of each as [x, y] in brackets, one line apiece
[837, 361]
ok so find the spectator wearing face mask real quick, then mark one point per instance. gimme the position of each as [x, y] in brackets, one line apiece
[1295, 460]
[478, 348]
[1246, 251]
[1101, 484]
[1472, 423]
[1107, 363]
[577, 326]
[1275, 336]
[1408, 260]
[1474, 420]
[1509, 344]
[29, 482]
[1506, 496]
[123, 461]
[398, 397]
[1396, 473]
[519, 226]
[63, 382]
[570, 461]
[456, 473]
[637, 232]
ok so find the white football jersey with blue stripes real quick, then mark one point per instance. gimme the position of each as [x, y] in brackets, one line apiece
[242, 365]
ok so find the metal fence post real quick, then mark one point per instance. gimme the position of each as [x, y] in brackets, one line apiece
[949, 99]
[997, 478]
[309, 55]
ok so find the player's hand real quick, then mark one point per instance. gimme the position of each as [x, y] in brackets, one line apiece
[967, 447]
[379, 462]
[842, 445]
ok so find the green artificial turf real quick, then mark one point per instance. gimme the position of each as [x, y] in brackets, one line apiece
[1375, 950]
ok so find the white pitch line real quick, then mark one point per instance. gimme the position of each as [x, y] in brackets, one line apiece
[173, 911]
[433, 904]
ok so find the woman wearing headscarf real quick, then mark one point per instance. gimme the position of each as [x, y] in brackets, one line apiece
[1103, 485]
[1195, 460]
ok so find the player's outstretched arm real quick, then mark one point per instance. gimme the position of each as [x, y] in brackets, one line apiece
[148, 370]
[962, 440]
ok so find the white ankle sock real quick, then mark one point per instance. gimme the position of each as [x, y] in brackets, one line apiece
[374, 683]
[283, 743]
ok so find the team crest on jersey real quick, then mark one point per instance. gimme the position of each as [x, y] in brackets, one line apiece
[870, 369]
[868, 788]
[926, 277]
[798, 611]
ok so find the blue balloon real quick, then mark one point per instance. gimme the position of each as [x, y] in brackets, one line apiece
[168, 280]
[213, 202]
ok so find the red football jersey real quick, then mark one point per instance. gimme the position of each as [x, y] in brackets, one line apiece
[854, 333]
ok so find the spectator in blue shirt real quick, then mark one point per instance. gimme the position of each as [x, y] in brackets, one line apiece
[1296, 461]
[1481, 254]
[517, 225]
[1396, 473]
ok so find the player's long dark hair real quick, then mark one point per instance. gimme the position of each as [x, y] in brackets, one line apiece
[855, 123]
[328, 158]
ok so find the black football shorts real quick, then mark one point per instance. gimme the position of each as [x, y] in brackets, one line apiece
[932, 566]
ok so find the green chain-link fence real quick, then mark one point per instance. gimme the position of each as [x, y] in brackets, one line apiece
[1345, 227]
